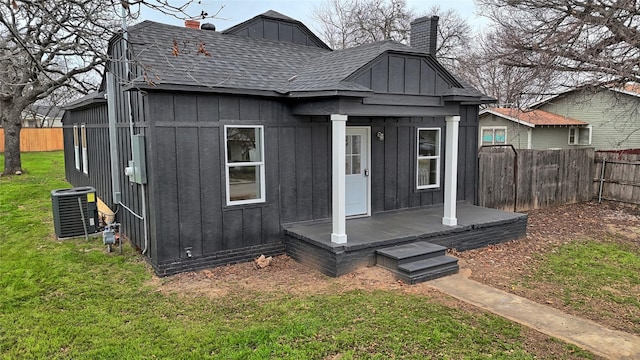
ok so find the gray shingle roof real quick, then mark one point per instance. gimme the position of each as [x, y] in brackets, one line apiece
[46, 110]
[328, 71]
[172, 55]
[234, 61]
[89, 99]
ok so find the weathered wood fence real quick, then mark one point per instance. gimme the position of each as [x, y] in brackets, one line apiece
[620, 180]
[37, 139]
[520, 180]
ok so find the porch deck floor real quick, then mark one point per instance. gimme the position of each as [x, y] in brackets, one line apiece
[390, 228]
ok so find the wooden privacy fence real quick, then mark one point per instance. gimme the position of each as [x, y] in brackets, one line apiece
[620, 180]
[37, 139]
[520, 180]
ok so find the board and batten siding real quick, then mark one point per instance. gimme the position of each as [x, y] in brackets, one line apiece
[271, 29]
[396, 74]
[187, 170]
[186, 163]
[99, 175]
[613, 116]
[96, 118]
[99, 164]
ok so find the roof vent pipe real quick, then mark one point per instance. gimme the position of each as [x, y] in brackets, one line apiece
[208, 26]
[424, 34]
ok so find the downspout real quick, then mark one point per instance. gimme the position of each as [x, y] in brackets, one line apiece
[113, 140]
[143, 217]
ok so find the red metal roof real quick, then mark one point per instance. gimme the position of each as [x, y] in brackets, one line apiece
[537, 117]
[632, 88]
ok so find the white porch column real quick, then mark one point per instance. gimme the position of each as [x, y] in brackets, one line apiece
[338, 139]
[451, 171]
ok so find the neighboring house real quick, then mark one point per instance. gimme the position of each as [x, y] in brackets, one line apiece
[260, 140]
[44, 116]
[606, 119]
[613, 114]
[532, 129]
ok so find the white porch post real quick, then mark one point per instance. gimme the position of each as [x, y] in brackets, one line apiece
[451, 171]
[338, 139]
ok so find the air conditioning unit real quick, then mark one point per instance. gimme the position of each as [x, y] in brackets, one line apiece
[71, 207]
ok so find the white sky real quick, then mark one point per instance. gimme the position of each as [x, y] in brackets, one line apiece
[237, 11]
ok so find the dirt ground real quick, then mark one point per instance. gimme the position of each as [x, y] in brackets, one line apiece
[499, 265]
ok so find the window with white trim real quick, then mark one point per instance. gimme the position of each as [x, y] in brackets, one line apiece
[428, 159]
[76, 146]
[244, 163]
[493, 135]
[85, 155]
[580, 135]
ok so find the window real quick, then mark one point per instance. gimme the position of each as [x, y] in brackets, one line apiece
[580, 135]
[494, 135]
[353, 156]
[428, 167]
[85, 156]
[244, 162]
[76, 146]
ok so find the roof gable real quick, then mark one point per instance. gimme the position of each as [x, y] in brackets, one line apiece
[403, 72]
[275, 26]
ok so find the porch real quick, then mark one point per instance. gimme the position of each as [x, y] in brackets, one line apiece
[310, 242]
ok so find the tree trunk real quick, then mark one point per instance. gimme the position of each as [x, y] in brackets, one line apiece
[11, 123]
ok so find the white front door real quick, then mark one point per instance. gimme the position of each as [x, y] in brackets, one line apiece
[357, 171]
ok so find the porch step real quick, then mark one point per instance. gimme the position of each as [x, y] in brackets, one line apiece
[417, 262]
[394, 256]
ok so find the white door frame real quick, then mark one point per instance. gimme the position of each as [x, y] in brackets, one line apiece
[367, 166]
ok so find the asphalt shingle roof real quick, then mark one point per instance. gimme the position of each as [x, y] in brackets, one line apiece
[233, 62]
[173, 55]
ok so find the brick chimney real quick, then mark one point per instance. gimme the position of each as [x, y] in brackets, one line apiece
[424, 34]
[192, 24]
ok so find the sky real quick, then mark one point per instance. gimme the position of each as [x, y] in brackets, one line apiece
[237, 11]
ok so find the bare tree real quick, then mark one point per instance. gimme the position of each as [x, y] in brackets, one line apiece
[595, 41]
[483, 67]
[454, 35]
[47, 45]
[347, 23]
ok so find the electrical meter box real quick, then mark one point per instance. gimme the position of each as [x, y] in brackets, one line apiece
[70, 207]
[137, 166]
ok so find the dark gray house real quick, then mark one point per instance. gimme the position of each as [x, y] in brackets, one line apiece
[217, 147]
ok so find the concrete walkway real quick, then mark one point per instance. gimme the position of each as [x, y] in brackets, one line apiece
[586, 334]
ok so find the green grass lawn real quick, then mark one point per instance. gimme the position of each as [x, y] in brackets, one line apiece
[70, 299]
[599, 277]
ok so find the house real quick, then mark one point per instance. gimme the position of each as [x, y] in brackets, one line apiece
[612, 112]
[219, 147]
[44, 116]
[531, 129]
[606, 118]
